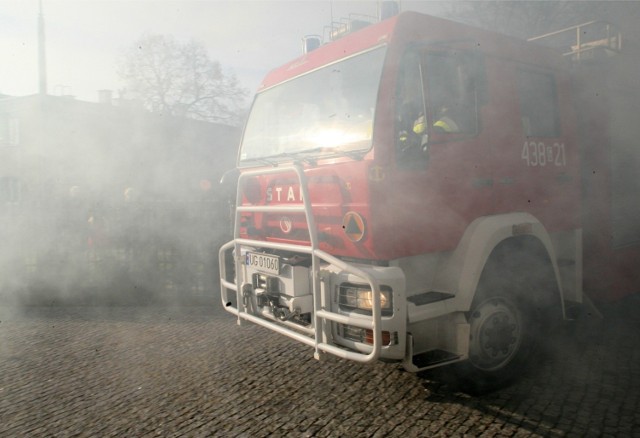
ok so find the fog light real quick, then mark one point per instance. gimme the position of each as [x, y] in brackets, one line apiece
[368, 337]
[365, 336]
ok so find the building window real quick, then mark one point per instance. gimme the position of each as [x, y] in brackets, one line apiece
[9, 130]
[10, 190]
[538, 104]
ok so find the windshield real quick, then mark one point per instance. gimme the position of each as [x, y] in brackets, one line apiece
[325, 111]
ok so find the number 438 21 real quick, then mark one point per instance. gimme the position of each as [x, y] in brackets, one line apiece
[539, 154]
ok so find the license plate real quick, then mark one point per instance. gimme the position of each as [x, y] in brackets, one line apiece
[263, 262]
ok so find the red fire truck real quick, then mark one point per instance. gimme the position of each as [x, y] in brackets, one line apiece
[426, 192]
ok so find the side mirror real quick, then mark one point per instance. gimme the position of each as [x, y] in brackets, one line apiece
[228, 187]
[229, 181]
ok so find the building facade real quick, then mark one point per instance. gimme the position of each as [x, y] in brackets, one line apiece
[97, 193]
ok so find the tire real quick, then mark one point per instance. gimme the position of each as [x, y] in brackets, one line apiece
[500, 342]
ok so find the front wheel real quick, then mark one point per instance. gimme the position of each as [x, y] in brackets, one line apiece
[500, 341]
[496, 332]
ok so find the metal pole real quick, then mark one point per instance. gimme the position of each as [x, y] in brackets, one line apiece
[42, 61]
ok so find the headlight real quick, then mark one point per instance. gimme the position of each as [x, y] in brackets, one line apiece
[360, 297]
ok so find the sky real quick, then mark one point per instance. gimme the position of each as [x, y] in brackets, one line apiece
[84, 39]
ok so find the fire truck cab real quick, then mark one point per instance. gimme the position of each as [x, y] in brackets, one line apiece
[411, 192]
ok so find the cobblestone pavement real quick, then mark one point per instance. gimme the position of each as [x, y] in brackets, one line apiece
[189, 371]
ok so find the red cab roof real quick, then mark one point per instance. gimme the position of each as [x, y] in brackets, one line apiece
[407, 26]
[346, 46]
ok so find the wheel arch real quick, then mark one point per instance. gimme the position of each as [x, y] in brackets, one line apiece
[486, 237]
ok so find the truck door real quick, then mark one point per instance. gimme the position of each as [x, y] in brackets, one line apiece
[441, 149]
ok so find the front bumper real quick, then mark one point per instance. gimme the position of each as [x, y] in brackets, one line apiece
[301, 300]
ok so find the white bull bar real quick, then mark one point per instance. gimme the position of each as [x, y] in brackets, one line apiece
[319, 337]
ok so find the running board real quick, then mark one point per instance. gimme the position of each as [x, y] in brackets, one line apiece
[585, 310]
[433, 358]
[429, 297]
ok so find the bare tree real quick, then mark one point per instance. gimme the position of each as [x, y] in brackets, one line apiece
[181, 79]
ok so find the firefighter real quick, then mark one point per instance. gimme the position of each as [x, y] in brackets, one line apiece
[445, 121]
[411, 113]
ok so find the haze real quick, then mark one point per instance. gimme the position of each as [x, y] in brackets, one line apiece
[84, 38]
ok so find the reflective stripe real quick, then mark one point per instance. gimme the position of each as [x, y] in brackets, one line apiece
[419, 125]
[447, 124]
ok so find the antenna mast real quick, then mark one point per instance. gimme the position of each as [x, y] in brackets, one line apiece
[42, 61]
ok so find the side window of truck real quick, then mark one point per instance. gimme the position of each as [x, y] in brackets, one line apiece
[455, 84]
[538, 104]
[439, 95]
[410, 112]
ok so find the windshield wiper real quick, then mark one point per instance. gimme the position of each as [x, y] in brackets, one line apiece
[262, 160]
[354, 155]
[296, 155]
[331, 151]
[300, 155]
